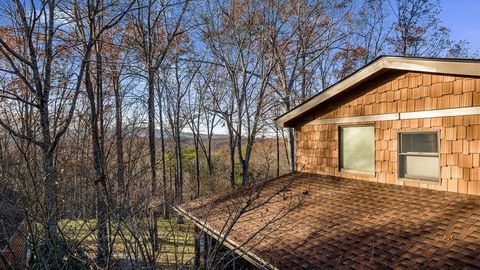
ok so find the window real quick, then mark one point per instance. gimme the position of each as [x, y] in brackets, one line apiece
[357, 149]
[419, 157]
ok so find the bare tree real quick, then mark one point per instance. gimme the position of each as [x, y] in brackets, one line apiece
[38, 66]
[116, 68]
[302, 45]
[166, 197]
[178, 80]
[156, 24]
[193, 113]
[201, 117]
[373, 29]
[418, 30]
[92, 20]
[240, 43]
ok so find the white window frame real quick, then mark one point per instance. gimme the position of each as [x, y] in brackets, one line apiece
[431, 181]
[340, 158]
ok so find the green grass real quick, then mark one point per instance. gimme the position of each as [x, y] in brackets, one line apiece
[176, 241]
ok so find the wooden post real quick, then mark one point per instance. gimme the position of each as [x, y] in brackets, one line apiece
[206, 249]
[278, 153]
[198, 235]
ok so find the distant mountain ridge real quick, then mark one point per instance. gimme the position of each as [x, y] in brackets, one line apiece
[183, 135]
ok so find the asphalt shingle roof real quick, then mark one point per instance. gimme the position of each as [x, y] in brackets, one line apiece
[306, 221]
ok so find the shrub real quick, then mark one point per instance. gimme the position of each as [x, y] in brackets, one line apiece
[68, 255]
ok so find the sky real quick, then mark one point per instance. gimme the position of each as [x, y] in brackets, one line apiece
[463, 19]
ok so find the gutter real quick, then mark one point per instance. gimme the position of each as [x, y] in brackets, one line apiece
[242, 252]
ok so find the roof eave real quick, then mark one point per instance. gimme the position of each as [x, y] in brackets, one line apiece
[247, 255]
[441, 66]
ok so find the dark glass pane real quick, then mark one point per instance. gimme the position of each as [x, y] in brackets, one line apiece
[419, 142]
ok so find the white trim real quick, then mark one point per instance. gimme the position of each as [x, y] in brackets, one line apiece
[441, 113]
[356, 119]
[443, 66]
[399, 116]
[357, 172]
[437, 182]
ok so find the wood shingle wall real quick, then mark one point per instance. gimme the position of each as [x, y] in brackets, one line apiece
[317, 145]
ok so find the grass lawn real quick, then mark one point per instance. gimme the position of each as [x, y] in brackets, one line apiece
[176, 241]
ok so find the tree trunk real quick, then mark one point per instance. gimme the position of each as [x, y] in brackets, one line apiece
[179, 166]
[245, 161]
[232, 157]
[98, 165]
[179, 172]
[232, 167]
[209, 157]
[151, 130]
[245, 177]
[49, 196]
[121, 188]
[101, 214]
[152, 152]
[166, 199]
[197, 164]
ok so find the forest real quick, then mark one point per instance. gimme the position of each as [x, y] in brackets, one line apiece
[113, 111]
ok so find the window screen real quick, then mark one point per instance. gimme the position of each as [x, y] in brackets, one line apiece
[357, 146]
[419, 156]
[419, 143]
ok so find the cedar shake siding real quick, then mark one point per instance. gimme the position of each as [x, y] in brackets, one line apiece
[317, 145]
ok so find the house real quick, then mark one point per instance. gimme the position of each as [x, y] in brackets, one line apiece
[388, 176]
[382, 122]
[14, 250]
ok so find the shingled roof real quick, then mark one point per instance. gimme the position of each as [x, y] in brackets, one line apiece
[330, 222]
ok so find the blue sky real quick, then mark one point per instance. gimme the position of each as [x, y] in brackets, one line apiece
[463, 18]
